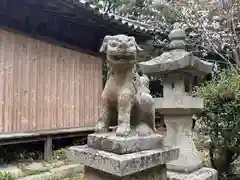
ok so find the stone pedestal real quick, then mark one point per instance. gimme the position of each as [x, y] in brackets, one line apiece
[157, 173]
[179, 135]
[108, 157]
[177, 70]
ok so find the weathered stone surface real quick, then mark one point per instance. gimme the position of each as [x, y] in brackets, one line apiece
[179, 135]
[176, 60]
[57, 173]
[123, 145]
[36, 166]
[157, 173]
[125, 87]
[176, 34]
[177, 69]
[13, 170]
[178, 105]
[201, 174]
[42, 176]
[67, 170]
[54, 164]
[122, 165]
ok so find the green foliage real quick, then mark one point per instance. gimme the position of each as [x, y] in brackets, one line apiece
[220, 119]
[6, 176]
[79, 177]
[59, 155]
[109, 5]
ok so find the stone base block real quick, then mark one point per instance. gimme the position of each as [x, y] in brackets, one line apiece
[122, 165]
[178, 105]
[124, 145]
[156, 173]
[201, 174]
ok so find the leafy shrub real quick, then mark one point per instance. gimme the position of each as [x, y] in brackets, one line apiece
[220, 119]
[6, 176]
[59, 154]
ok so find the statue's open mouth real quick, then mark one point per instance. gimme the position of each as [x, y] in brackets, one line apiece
[122, 58]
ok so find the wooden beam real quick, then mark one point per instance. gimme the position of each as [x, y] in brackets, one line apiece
[48, 149]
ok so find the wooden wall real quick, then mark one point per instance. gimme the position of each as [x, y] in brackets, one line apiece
[43, 86]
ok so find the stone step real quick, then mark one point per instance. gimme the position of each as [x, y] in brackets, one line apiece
[67, 170]
[57, 173]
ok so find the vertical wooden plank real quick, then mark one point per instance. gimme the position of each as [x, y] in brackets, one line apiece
[93, 70]
[44, 57]
[15, 68]
[38, 86]
[55, 79]
[44, 60]
[12, 84]
[17, 55]
[9, 47]
[63, 76]
[70, 106]
[66, 92]
[86, 81]
[17, 59]
[52, 86]
[26, 80]
[2, 57]
[33, 87]
[57, 87]
[65, 87]
[70, 69]
[47, 72]
[61, 102]
[23, 85]
[73, 87]
[6, 50]
[51, 48]
[29, 83]
[76, 90]
[82, 91]
[91, 90]
[94, 94]
[40, 100]
[69, 81]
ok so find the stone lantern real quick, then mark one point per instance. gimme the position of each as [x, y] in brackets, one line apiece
[177, 70]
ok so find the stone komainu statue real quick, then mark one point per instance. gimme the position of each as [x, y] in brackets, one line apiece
[125, 91]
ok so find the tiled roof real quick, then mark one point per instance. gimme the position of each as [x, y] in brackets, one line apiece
[121, 21]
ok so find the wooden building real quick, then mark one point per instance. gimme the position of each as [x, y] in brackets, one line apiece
[50, 68]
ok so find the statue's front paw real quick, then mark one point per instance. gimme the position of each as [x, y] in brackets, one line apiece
[123, 129]
[101, 127]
